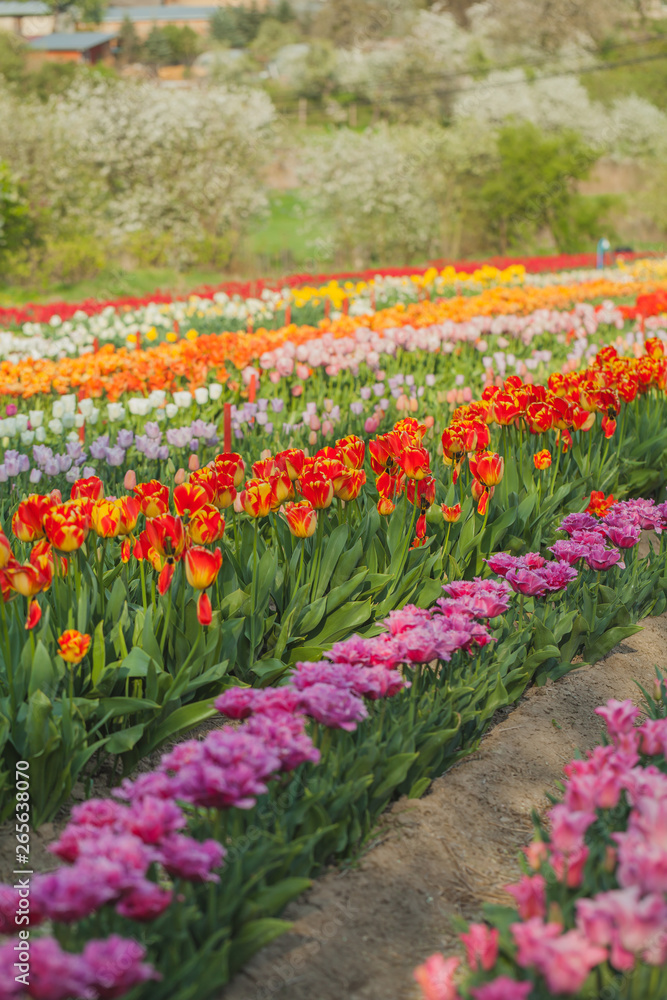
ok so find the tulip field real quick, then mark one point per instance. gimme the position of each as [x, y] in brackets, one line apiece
[341, 521]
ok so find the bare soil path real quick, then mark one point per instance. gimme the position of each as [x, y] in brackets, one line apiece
[359, 932]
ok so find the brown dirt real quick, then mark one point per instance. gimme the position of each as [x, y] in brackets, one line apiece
[359, 932]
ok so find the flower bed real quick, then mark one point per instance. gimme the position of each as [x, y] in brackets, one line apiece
[590, 912]
[154, 597]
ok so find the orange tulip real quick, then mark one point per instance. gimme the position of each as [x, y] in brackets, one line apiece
[542, 459]
[265, 469]
[65, 528]
[347, 484]
[504, 409]
[106, 519]
[541, 417]
[204, 609]
[352, 451]
[488, 467]
[42, 556]
[385, 506]
[281, 489]
[477, 489]
[256, 498]
[165, 536]
[189, 497]
[91, 489]
[5, 550]
[232, 465]
[415, 463]
[301, 519]
[130, 509]
[453, 442]
[202, 567]
[390, 486]
[28, 520]
[291, 461]
[26, 579]
[608, 427]
[380, 455]
[225, 491]
[207, 525]
[153, 497]
[599, 504]
[451, 514]
[73, 646]
[34, 615]
[320, 492]
[328, 467]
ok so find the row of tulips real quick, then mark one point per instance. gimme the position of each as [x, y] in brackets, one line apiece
[172, 883]
[190, 361]
[65, 437]
[589, 914]
[177, 600]
[259, 299]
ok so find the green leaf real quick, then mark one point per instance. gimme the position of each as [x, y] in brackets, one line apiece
[43, 675]
[99, 653]
[394, 770]
[269, 671]
[125, 739]
[125, 706]
[256, 935]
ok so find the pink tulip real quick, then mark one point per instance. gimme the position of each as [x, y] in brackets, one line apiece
[436, 978]
[180, 476]
[193, 463]
[529, 893]
[481, 944]
[130, 480]
[502, 988]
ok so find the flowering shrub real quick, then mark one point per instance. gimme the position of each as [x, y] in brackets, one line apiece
[590, 911]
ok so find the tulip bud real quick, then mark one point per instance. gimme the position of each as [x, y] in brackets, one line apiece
[312, 438]
[429, 420]
[130, 480]
[193, 463]
[180, 477]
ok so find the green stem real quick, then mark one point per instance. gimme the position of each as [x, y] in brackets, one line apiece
[10, 669]
[253, 592]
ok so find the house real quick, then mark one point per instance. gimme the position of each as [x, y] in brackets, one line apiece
[146, 17]
[88, 47]
[27, 18]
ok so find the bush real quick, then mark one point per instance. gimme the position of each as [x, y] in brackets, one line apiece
[58, 261]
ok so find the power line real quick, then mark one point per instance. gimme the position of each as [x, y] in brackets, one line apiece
[415, 94]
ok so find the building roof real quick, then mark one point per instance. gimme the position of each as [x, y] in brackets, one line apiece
[170, 12]
[23, 8]
[71, 41]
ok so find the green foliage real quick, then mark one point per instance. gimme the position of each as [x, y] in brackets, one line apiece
[17, 228]
[54, 260]
[12, 57]
[129, 41]
[272, 36]
[157, 49]
[237, 26]
[532, 186]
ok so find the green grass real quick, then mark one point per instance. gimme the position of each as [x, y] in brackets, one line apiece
[115, 283]
[292, 236]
